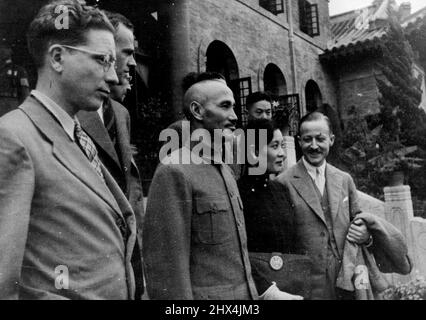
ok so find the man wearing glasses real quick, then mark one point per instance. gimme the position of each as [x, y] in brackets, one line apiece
[109, 128]
[67, 230]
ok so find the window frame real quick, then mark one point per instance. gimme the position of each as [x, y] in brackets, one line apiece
[274, 6]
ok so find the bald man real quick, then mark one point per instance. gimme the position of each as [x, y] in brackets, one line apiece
[194, 236]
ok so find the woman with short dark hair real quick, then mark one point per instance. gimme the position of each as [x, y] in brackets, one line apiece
[278, 271]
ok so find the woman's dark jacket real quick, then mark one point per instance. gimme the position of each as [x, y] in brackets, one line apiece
[268, 215]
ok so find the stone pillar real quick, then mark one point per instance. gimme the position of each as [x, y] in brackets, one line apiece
[399, 212]
[290, 151]
[177, 28]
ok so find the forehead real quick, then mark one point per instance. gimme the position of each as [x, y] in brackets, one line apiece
[278, 136]
[100, 40]
[314, 127]
[263, 105]
[124, 36]
[217, 90]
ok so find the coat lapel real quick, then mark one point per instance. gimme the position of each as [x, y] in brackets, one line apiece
[304, 186]
[334, 188]
[92, 124]
[123, 134]
[67, 152]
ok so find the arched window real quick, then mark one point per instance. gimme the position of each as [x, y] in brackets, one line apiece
[274, 81]
[313, 97]
[221, 59]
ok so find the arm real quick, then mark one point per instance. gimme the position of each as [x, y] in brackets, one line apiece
[167, 235]
[389, 247]
[16, 191]
[358, 231]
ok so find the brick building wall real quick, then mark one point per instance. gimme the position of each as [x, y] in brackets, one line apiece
[256, 38]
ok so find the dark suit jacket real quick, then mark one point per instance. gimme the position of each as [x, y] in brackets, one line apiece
[56, 211]
[311, 229]
[122, 165]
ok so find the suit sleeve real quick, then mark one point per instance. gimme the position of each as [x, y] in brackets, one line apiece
[16, 192]
[389, 247]
[167, 236]
[353, 198]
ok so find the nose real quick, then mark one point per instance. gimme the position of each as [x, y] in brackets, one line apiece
[111, 76]
[132, 61]
[282, 153]
[314, 144]
[233, 116]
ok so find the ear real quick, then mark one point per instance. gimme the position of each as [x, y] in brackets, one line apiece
[299, 140]
[55, 57]
[332, 137]
[197, 110]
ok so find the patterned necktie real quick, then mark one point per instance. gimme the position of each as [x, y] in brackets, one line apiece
[89, 148]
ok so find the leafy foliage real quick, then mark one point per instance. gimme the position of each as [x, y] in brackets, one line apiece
[153, 116]
[413, 290]
[372, 151]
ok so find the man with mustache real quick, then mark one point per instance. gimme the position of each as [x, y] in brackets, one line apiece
[327, 211]
[194, 235]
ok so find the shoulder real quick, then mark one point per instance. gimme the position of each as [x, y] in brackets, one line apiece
[288, 174]
[18, 120]
[119, 110]
[118, 107]
[336, 171]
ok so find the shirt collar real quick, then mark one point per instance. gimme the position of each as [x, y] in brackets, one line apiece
[312, 170]
[64, 119]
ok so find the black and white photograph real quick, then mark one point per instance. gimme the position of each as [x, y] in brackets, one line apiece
[228, 152]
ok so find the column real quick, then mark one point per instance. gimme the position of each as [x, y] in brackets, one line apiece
[290, 151]
[399, 212]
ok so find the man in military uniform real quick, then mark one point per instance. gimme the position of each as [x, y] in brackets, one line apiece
[14, 86]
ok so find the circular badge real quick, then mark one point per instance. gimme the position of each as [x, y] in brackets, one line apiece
[276, 262]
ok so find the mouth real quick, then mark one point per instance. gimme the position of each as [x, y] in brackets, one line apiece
[104, 92]
[233, 128]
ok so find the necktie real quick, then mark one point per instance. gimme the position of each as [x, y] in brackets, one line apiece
[319, 181]
[89, 148]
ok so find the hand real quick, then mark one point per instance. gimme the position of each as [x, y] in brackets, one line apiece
[358, 232]
[273, 293]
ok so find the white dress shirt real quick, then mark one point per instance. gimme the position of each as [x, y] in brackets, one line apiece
[317, 174]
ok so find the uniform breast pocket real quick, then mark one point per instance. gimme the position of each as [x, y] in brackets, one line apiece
[211, 221]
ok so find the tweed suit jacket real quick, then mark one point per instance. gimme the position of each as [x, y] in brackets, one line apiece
[312, 233]
[55, 210]
[195, 243]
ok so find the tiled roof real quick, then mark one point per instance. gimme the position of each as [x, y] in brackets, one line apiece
[414, 17]
[359, 26]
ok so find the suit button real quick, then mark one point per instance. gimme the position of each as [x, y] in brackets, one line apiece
[125, 169]
[322, 234]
